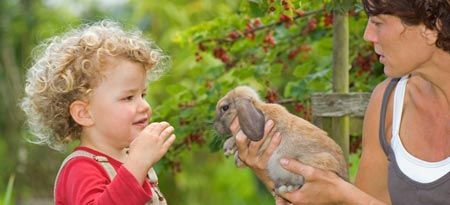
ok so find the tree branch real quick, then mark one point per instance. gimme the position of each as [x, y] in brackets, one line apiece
[260, 28]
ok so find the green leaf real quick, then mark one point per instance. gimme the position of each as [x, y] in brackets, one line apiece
[319, 74]
[257, 8]
[275, 70]
[296, 90]
[9, 190]
[175, 89]
[302, 70]
[343, 5]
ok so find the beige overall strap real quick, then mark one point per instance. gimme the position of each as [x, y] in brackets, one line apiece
[81, 153]
[77, 153]
[158, 198]
[153, 178]
[107, 166]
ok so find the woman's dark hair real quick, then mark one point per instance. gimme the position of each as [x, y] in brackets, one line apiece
[434, 14]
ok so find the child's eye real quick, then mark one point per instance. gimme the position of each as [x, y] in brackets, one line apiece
[143, 95]
[128, 98]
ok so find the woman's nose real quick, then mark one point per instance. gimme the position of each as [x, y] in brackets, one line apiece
[369, 32]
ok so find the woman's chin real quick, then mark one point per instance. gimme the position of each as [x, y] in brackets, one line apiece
[392, 73]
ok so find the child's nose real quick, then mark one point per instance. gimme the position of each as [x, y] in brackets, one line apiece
[144, 106]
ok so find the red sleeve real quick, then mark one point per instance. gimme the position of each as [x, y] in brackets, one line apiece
[84, 181]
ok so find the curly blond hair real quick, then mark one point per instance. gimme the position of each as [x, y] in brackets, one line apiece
[65, 68]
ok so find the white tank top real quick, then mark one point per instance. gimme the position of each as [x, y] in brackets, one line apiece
[413, 167]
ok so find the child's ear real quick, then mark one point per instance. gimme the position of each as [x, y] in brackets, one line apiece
[80, 113]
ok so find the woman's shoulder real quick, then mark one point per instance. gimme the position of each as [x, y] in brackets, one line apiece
[379, 90]
[373, 111]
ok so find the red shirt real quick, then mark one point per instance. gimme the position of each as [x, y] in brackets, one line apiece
[84, 181]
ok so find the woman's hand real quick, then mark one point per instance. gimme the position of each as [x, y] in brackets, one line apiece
[321, 187]
[250, 151]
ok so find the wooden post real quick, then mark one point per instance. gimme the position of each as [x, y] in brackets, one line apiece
[340, 125]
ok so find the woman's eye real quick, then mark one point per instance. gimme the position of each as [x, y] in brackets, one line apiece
[375, 22]
[225, 108]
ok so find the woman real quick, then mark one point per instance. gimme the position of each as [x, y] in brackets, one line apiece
[406, 134]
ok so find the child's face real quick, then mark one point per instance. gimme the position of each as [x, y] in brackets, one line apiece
[117, 105]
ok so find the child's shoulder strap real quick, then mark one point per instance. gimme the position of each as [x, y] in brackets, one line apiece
[153, 178]
[81, 153]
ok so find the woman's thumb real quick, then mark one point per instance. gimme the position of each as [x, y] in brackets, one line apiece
[296, 167]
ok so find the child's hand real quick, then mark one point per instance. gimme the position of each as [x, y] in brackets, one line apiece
[153, 142]
[148, 147]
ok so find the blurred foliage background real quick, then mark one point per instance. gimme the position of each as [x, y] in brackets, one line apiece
[280, 47]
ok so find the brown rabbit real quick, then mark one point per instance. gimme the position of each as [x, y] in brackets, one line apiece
[299, 138]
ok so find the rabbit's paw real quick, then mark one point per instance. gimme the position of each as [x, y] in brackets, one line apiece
[284, 188]
[229, 147]
[239, 163]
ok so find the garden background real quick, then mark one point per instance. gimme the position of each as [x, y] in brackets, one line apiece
[283, 48]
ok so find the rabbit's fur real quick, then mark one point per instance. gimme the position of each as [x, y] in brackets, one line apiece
[299, 138]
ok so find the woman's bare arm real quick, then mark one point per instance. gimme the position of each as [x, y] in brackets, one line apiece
[372, 172]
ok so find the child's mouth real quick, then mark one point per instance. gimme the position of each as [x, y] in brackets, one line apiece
[141, 123]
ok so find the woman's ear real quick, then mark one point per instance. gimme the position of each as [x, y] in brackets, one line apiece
[430, 35]
[80, 113]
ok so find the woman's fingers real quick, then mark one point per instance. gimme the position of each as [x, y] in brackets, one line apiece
[281, 201]
[234, 127]
[249, 151]
[242, 145]
[268, 127]
[297, 167]
[274, 142]
[254, 147]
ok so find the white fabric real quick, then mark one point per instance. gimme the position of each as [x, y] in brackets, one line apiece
[413, 167]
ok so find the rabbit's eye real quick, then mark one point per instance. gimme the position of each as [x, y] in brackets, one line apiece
[225, 108]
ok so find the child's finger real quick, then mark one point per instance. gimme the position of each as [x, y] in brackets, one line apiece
[167, 131]
[159, 125]
[169, 141]
[156, 128]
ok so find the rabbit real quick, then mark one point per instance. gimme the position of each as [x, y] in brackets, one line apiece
[299, 138]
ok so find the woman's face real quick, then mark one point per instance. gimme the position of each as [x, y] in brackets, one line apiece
[402, 49]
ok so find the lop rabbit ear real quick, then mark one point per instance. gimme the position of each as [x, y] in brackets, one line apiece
[251, 119]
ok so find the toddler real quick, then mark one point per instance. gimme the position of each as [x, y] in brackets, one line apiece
[89, 85]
